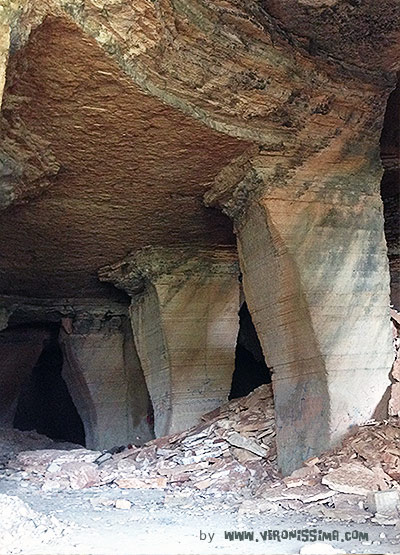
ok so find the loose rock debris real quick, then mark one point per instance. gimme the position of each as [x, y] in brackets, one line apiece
[233, 447]
[233, 450]
[20, 526]
[394, 401]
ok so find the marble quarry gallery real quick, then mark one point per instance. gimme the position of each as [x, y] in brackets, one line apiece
[199, 198]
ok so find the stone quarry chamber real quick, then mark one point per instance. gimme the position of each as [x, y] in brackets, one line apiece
[145, 168]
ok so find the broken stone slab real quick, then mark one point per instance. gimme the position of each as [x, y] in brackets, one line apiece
[204, 484]
[170, 471]
[306, 475]
[39, 461]
[384, 503]
[306, 494]
[75, 475]
[345, 514]
[137, 483]
[356, 478]
[81, 474]
[243, 456]
[251, 445]
[257, 506]
[385, 520]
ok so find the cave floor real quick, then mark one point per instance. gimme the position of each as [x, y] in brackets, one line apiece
[166, 523]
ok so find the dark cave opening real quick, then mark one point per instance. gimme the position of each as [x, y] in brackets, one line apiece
[251, 370]
[44, 403]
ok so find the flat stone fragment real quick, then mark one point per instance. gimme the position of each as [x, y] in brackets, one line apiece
[354, 478]
[137, 483]
[251, 445]
[384, 502]
[123, 504]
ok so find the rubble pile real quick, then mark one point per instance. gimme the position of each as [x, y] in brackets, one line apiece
[20, 525]
[232, 448]
[14, 441]
[357, 481]
[376, 447]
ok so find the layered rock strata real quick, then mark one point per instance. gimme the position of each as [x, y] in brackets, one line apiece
[184, 315]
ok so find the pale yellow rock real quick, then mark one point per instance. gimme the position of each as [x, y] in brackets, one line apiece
[4, 47]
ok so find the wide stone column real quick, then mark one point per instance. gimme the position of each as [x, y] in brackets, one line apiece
[316, 280]
[103, 375]
[184, 316]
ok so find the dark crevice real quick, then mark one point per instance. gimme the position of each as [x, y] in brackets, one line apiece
[251, 370]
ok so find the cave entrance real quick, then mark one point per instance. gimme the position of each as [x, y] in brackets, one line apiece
[251, 370]
[44, 403]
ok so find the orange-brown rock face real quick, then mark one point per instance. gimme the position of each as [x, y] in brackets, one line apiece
[132, 170]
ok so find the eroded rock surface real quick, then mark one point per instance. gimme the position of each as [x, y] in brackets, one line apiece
[119, 118]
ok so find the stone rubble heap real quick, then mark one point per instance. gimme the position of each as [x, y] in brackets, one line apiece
[232, 448]
[355, 482]
[14, 441]
[21, 527]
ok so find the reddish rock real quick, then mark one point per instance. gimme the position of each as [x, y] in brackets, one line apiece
[396, 369]
[394, 402]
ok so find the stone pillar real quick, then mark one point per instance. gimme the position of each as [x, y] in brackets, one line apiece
[104, 382]
[20, 349]
[316, 280]
[184, 315]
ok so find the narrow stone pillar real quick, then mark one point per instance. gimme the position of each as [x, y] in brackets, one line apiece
[316, 280]
[108, 390]
[20, 349]
[184, 315]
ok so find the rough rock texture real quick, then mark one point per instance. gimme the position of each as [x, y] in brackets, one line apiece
[14, 441]
[394, 401]
[390, 189]
[22, 528]
[4, 46]
[132, 170]
[315, 276]
[104, 378]
[231, 449]
[185, 321]
[19, 350]
[278, 108]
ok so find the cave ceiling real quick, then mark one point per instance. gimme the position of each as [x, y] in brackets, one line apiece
[117, 116]
[126, 170]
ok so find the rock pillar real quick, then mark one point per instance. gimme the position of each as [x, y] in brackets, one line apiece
[104, 379]
[316, 280]
[184, 315]
[20, 349]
